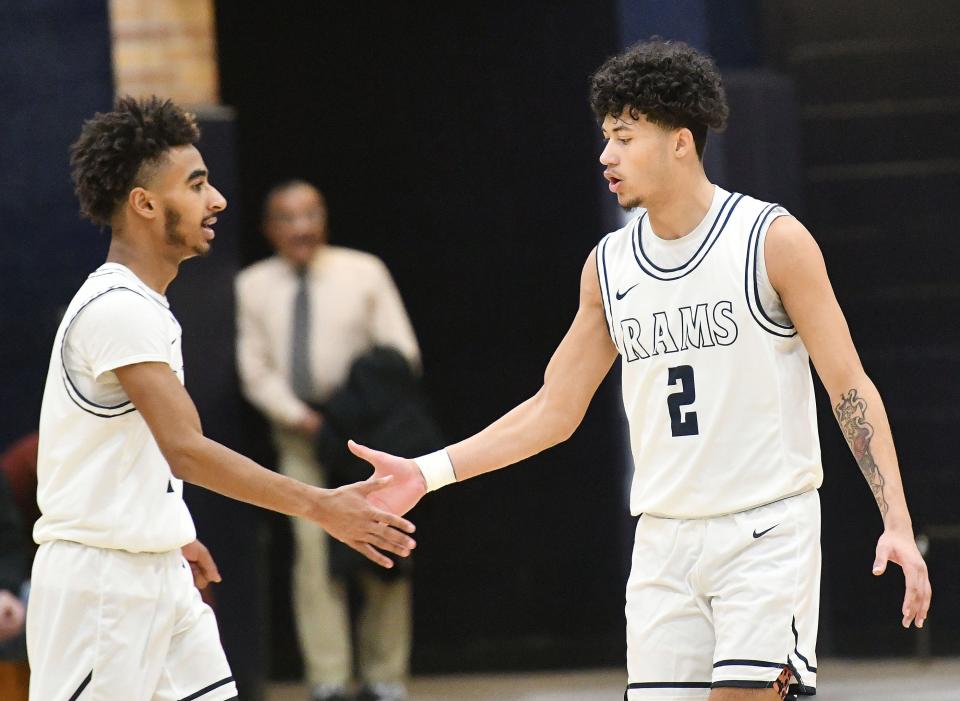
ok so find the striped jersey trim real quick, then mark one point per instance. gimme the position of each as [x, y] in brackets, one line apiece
[751, 285]
[76, 396]
[603, 278]
[666, 274]
[83, 685]
[207, 689]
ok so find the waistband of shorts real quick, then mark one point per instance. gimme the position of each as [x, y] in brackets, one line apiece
[175, 554]
[649, 514]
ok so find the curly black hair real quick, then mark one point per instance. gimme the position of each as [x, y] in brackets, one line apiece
[669, 82]
[120, 150]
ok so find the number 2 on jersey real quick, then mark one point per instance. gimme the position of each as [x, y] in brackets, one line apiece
[682, 424]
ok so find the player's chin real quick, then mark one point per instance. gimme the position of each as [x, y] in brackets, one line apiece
[627, 200]
[627, 203]
[202, 249]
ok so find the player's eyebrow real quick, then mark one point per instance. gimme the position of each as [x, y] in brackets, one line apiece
[619, 127]
[198, 173]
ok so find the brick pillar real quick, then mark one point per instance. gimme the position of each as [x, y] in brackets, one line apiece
[165, 47]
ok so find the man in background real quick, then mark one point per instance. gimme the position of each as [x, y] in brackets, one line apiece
[304, 316]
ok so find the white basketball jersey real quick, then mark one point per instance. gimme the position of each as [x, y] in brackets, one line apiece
[716, 381]
[101, 479]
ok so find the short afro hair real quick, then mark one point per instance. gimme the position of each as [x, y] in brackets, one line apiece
[119, 150]
[669, 82]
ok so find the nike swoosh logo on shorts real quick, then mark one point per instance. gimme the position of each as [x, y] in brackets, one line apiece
[621, 295]
[757, 535]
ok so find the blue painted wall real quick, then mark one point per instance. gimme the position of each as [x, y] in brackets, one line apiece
[56, 71]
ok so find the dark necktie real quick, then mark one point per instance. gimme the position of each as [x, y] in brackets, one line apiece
[300, 377]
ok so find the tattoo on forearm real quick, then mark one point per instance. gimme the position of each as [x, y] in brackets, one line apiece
[851, 413]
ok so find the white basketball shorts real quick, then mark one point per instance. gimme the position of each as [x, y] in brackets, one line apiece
[104, 625]
[728, 601]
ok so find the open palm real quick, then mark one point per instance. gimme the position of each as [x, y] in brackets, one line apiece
[901, 548]
[407, 486]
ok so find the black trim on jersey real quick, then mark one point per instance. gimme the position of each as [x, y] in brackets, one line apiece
[758, 663]
[796, 689]
[756, 261]
[750, 272]
[749, 663]
[83, 685]
[208, 689]
[695, 253]
[796, 638]
[605, 286]
[102, 273]
[696, 259]
[668, 685]
[102, 416]
[68, 382]
[68, 385]
[742, 684]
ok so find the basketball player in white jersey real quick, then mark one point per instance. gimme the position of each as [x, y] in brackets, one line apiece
[713, 301]
[114, 613]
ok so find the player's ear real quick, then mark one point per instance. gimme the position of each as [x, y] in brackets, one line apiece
[143, 203]
[683, 143]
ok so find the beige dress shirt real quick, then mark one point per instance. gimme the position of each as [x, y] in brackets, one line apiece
[354, 305]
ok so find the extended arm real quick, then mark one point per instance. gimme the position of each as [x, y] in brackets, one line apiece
[172, 417]
[797, 271]
[576, 369]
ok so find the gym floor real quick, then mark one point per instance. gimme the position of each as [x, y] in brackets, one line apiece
[840, 680]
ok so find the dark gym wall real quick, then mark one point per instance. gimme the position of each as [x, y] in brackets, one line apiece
[54, 72]
[878, 86]
[456, 142]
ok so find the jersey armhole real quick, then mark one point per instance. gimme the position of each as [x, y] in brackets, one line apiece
[73, 386]
[753, 280]
[603, 280]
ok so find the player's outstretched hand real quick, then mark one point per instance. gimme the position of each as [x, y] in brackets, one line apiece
[351, 518]
[901, 548]
[12, 615]
[201, 564]
[407, 487]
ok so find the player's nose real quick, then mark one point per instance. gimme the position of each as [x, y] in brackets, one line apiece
[607, 157]
[218, 202]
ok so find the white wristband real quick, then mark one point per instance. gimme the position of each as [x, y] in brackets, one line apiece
[437, 470]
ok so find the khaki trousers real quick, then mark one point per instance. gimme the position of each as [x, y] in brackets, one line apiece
[320, 605]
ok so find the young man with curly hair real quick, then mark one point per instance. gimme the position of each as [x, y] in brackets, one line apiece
[713, 300]
[114, 613]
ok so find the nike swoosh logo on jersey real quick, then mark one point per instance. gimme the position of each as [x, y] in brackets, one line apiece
[621, 295]
[757, 535]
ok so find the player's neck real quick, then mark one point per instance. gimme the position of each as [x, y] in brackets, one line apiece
[153, 269]
[682, 208]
